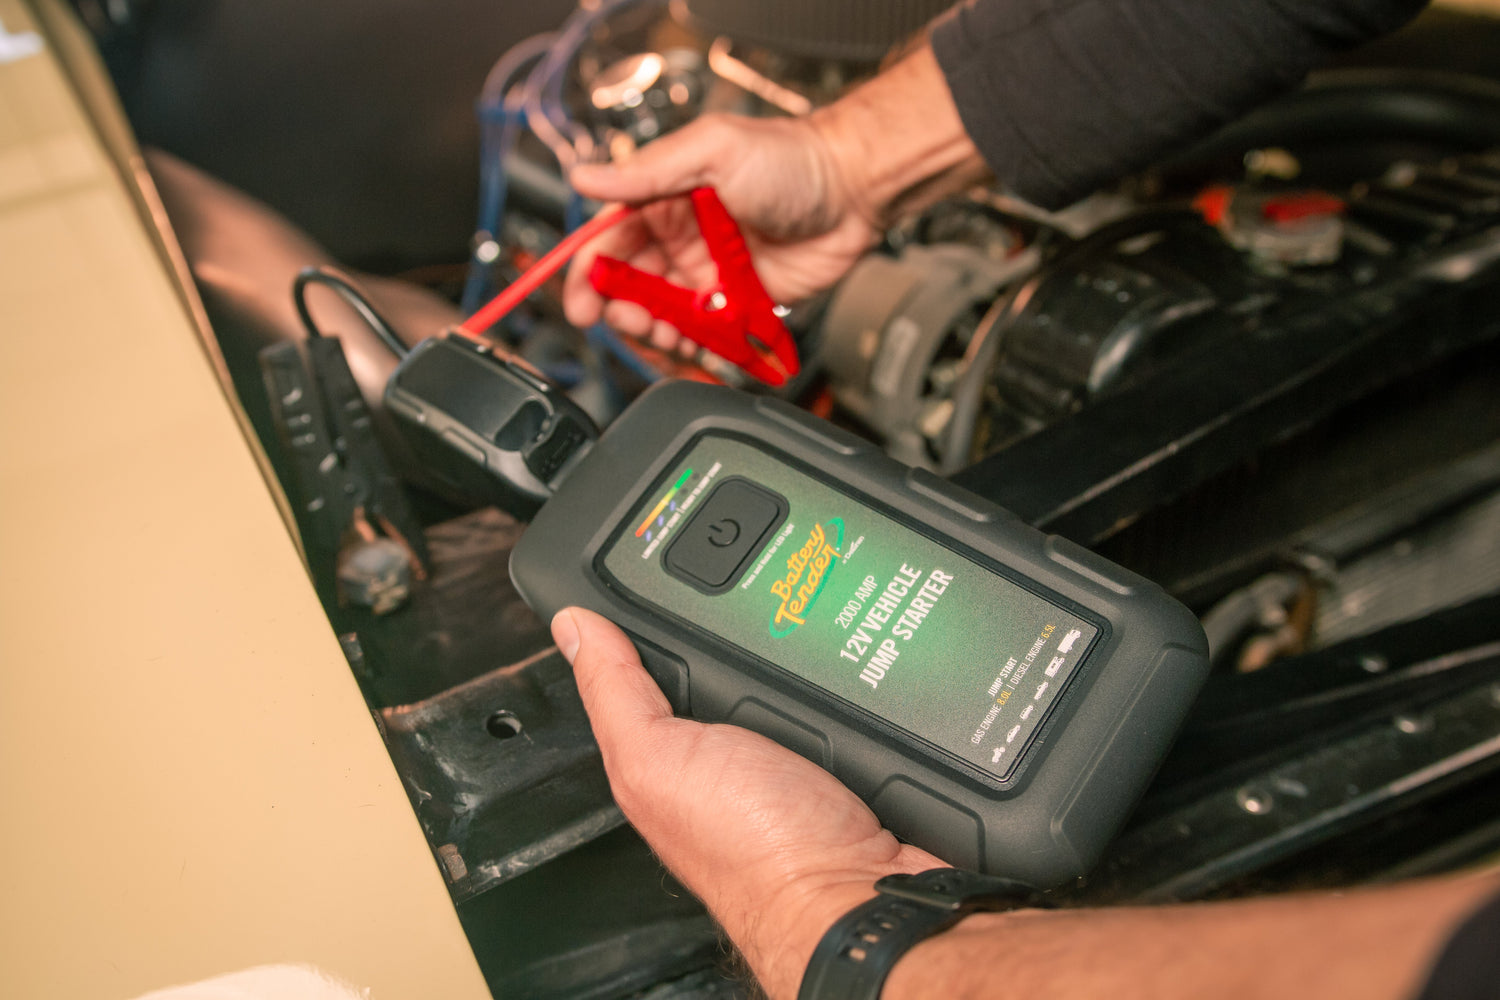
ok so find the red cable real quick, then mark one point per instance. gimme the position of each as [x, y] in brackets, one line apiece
[534, 276]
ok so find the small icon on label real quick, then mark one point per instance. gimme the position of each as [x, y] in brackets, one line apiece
[1014, 732]
[1054, 666]
[1067, 642]
[1026, 712]
[1040, 691]
[995, 757]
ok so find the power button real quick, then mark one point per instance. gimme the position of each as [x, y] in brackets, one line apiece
[711, 551]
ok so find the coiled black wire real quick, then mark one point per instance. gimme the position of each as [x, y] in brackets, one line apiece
[350, 291]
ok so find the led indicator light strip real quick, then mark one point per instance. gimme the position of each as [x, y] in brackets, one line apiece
[656, 511]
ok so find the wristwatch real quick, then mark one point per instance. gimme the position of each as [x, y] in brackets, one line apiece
[859, 951]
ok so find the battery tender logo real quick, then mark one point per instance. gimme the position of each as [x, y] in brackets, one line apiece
[807, 572]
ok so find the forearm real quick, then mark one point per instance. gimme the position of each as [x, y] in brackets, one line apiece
[1373, 944]
[1064, 96]
[898, 140]
[779, 850]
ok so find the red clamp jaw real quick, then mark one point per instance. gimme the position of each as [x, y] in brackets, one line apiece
[734, 319]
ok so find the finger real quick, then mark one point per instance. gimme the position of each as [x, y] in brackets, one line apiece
[665, 336]
[627, 317]
[673, 164]
[635, 241]
[581, 303]
[621, 699]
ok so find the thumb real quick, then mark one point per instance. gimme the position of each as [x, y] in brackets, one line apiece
[620, 697]
[672, 165]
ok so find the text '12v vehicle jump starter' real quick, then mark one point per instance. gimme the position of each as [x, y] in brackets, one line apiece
[998, 696]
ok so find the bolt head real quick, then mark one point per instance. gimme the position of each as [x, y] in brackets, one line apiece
[1255, 801]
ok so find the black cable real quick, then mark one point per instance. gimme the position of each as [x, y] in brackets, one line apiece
[351, 293]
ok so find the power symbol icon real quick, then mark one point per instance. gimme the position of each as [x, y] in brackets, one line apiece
[723, 532]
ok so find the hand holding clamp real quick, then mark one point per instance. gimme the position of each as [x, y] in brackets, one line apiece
[735, 318]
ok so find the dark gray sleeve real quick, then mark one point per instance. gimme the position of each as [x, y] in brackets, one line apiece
[1468, 968]
[1062, 96]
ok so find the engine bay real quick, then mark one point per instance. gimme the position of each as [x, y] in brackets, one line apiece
[1261, 373]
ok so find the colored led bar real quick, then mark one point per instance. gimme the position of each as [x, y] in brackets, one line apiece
[656, 511]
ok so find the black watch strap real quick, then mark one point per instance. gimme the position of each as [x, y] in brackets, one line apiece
[859, 951]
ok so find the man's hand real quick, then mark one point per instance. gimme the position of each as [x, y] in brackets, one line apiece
[810, 194]
[779, 180]
[778, 850]
[774, 846]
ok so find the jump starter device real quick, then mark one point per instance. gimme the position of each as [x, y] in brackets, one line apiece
[999, 697]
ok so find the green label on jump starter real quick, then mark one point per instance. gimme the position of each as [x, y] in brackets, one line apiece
[852, 601]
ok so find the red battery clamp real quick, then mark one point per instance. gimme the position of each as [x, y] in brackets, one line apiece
[734, 318]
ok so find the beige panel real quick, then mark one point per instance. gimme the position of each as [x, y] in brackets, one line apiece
[191, 782]
[1474, 6]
